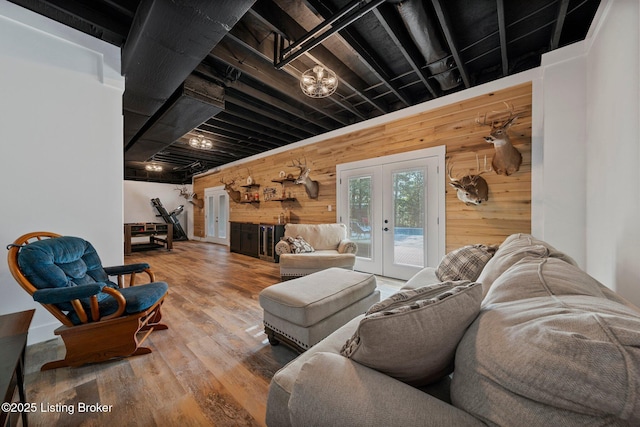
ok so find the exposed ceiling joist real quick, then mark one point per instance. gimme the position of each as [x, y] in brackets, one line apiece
[380, 59]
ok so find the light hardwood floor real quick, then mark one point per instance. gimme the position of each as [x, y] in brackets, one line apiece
[212, 367]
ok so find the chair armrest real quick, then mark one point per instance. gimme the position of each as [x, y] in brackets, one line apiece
[132, 269]
[126, 269]
[334, 390]
[283, 247]
[347, 246]
[60, 295]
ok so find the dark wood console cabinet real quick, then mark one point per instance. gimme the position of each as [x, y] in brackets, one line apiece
[13, 341]
[244, 238]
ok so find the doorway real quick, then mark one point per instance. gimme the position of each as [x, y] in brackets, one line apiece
[393, 207]
[216, 215]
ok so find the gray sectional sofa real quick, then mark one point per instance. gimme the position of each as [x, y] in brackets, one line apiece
[533, 341]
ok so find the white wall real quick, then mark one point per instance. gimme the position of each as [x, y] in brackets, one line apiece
[138, 207]
[613, 153]
[564, 157]
[61, 165]
[589, 199]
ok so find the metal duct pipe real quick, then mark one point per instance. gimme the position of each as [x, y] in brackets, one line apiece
[422, 29]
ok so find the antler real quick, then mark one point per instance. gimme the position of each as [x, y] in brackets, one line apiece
[509, 110]
[300, 165]
[450, 171]
[485, 170]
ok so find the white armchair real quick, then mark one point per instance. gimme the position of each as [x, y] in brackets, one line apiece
[330, 248]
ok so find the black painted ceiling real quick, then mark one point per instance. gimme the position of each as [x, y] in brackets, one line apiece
[207, 66]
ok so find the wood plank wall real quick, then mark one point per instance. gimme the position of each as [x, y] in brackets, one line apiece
[507, 211]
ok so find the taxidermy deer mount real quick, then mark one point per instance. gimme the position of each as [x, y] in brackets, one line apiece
[507, 159]
[471, 189]
[310, 185]
[233, 194]
[190, 196]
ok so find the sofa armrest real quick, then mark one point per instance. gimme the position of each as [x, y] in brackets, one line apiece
[347, 246]
[334, 390]
[283, 247]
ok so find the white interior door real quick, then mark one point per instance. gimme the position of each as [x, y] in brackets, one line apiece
[394, 209]
[216, 215]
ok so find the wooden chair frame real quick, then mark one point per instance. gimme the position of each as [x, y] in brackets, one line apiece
[112, 336]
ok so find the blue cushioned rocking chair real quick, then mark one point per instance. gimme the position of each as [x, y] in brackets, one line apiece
[101, 319]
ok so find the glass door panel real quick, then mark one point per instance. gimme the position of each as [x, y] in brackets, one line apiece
[216, 215]
[360, 214]
[408, 217]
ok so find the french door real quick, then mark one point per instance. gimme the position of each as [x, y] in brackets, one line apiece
[216, 215]
[394, 209]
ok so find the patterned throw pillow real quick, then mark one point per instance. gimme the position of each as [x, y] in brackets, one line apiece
[413, 335]
[298, 245]
[465, 263]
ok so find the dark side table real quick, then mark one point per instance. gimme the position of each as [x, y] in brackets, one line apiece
[13, 342]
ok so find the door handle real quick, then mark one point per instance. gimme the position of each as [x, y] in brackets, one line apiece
[386, 229]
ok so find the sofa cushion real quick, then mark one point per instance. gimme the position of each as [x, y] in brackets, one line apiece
[319, 260]
[512, 250]
[548, 349]
[424, 277]
[413, 335]
[320, 236]
[298, 245]
[533, 277]
[465, 263]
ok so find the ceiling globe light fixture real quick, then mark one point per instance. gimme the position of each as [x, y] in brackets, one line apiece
[200, 142]
[318, 82]
[153, 167]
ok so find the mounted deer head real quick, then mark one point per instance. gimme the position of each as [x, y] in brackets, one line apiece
[233, 194]
[184, 192]
[507, 159]
[190, 196]
[471, 189]
[310, 185]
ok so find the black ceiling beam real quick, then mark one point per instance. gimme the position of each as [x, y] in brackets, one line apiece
[502, 29]
[254, 66]
[223, 128]
[367, 54]
[445, 23]
[298, 130]
[240, 110]
[557, 28]
[249, 43]
[236, 129]
[185, 156]
[252, 92]
[404, 44]
[260, 134]
[343, 18]
[268, 14]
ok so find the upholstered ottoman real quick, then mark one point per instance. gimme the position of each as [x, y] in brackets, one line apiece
[303, 311]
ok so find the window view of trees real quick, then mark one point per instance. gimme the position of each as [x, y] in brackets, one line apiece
[359, 197]
[408, 193]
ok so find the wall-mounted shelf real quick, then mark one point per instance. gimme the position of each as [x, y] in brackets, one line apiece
[250, 186]
[283, 199]
[283, 181]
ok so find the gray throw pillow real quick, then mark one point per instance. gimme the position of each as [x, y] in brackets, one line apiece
[465, 263]
[413, 335]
